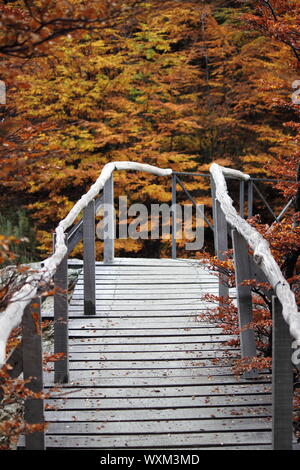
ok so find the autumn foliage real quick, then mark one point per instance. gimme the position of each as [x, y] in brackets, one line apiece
[172, 84]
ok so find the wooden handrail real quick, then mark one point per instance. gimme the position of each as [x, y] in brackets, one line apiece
[12, 316]
[261, 250]
[285, 315]
[56, 267]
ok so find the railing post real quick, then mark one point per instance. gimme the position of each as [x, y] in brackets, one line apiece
[220, 225]
[213, 205]
[89, 259]
[282, 381]
[244, 297]
[250, 198]
[220, 235]
[109, 219]
[242, 198]
[61, 317]
[33, 368]
[174, 217]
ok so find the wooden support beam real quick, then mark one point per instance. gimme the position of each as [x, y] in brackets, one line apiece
[109, 228]
[242, 198]
[174, 224]
[244, 297]
[89, 259]
[221, 239]
[33, 368]
[61, 340]
[213, 206]
[250, 198]
[282, 381]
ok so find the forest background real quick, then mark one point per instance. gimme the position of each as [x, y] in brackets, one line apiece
[173, 84]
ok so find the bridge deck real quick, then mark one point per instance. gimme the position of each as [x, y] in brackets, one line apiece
[146, 373]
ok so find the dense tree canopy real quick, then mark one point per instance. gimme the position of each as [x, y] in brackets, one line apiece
[174, 84]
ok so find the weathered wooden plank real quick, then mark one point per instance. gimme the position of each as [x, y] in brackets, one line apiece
[87, 375]
[33, 371]
[80, 348]
[182, 282]
[196, 270]
[164, 381]
[109, 289]
[139, 322]
[155, 308]
[134, 415]
[190, 331]
[142, 302]
[106, 292]
[144, 305]
[170, 391]
[152, 281]
[152, 261]
[282, 373]
[148, 356]
[133, 261]
[104, 313]
[124, 323]
[190, 274]
[159, 402]
[159, 440]
[155, 280]
[121, 306]
[143, 340]
[140, 297]
[160, 426]
[148, 365]
[188, 316]
[195, 267]
[149, 262]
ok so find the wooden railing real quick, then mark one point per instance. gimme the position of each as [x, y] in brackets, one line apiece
[286, 319]
[28, 357]
[247, 191]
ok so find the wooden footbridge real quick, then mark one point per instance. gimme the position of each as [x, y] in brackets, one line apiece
[141, 370]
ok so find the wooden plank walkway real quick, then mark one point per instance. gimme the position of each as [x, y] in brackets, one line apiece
[146, 373]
